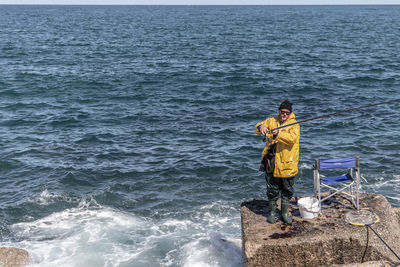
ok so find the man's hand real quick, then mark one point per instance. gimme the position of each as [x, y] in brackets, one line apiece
[264, 130]
[275, 131]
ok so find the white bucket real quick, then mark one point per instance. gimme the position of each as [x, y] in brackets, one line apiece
[308, 207]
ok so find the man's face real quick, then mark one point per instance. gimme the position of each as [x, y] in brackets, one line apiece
[284, 114]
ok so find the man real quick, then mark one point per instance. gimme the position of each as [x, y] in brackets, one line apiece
[280, 158]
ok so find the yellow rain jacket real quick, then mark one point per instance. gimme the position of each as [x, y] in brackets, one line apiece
[287, 147]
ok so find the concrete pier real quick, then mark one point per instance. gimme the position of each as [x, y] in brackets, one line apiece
[327, 240]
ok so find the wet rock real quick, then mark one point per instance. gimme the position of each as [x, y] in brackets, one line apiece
[13, 257]
[327, 240]
[397, 211]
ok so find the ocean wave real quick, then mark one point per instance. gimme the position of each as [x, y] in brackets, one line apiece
[88, 234]
[202, 252]
[10, 93]
[369, 79]
[94, 234]
[306, 166]
[96, 139]
[46, 198]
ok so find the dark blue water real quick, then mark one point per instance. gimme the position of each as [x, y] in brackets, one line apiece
[127, 136]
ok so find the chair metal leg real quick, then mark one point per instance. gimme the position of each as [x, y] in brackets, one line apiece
[358, 189]
[350, 189]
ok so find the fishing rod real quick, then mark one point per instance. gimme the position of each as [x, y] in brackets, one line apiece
[334, 113]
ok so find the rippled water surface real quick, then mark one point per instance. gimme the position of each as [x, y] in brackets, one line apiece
[127, 136]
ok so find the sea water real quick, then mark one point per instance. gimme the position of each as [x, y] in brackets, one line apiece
[127, 132]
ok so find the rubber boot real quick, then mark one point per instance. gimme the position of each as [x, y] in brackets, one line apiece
[285, 211]
[272, 211]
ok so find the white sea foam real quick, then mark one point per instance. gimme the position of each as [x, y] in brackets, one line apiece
[213, 249]
[43, 198]
[89, 235]
[93, 235]
[305, 166]
[229, 248]
[388, 184]
[46, 198]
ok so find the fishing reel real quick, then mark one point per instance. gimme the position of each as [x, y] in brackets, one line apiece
[265, 138]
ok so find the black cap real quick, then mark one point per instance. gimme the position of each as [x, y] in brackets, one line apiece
[286, 104]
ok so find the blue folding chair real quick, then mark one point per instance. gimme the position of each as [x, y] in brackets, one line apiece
[336, 184]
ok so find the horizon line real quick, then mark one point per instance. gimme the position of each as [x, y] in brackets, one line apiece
[305, 4]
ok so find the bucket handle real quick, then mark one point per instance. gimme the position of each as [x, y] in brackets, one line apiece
[309, 208]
